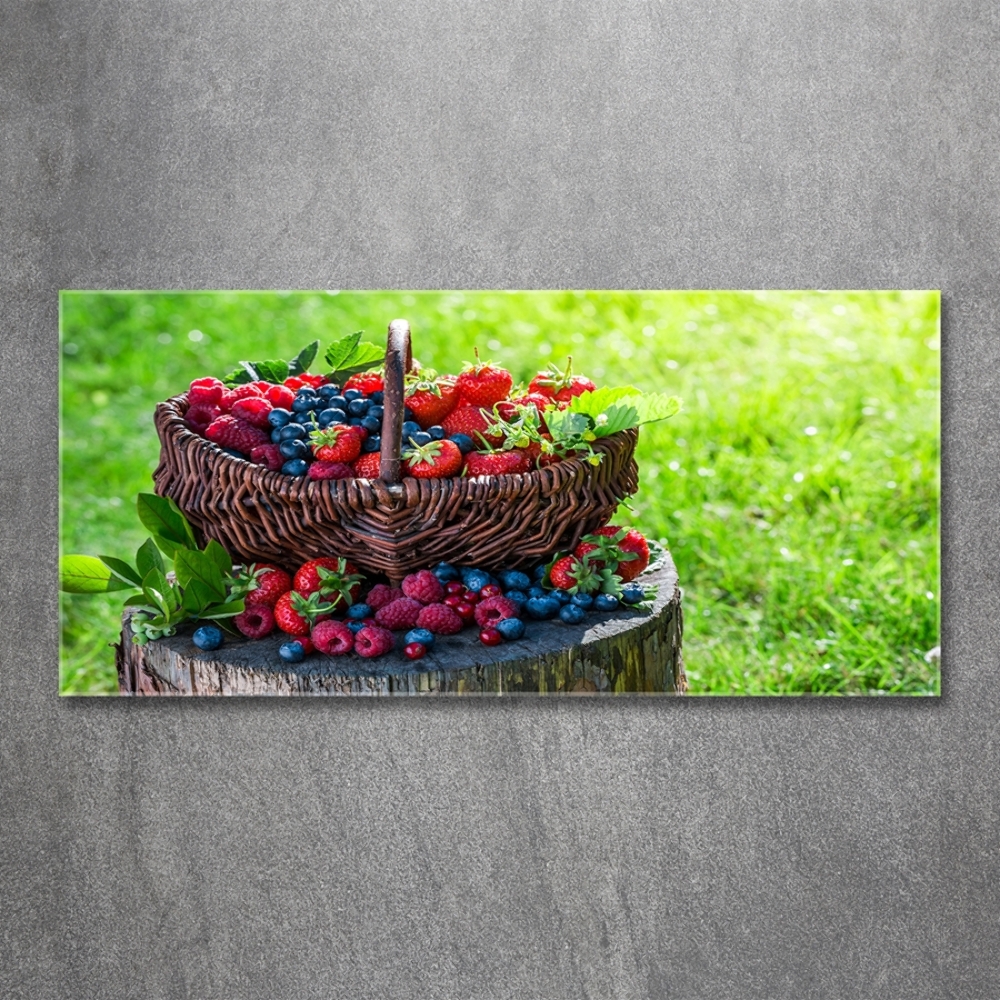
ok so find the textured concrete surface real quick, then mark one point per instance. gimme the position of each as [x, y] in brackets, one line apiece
[711, 849]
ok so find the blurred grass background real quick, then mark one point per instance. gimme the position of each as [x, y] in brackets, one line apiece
[798, 491]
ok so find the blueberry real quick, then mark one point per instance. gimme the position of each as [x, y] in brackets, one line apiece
[537, 592]
[303, 403]
[360, 611]
[605, 602]
[208, 637]
[352, 394]
[572, 614]
[585, 601]
[292, 652]
[633, 593]
[279, 417]
[542, 607]
[562, 596]
[371, 424]
[355, 421]
[377, 397]
[411, 427]
[510, 628]
[372, 443]
[295, 467]
[464, 442]
[540, 571]
[436, 432]
[332, 415]
[445, 572]
[310, 427]
[355, 626]
[422, 438]
[376, 411]
[276, 435]
[234, 453]
[337, 402]
[421, 635]
[328, 391]
[293, 449]
[408, 414]
[302, 417]
[517, 596]
[475, 579]
[358, 407]
[513, 580]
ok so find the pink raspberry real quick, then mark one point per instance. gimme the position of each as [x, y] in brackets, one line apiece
[332, 638]
[200, 415]
[373, 641]
[231, 396]
[330, 470]
[280, 396]
[440, 619]
[230, 432]
[256, 622]
[269, 455]
[252, 410]
[401, 613]
[380, 595]
[424, 587]
[495, 609]
[205, 391]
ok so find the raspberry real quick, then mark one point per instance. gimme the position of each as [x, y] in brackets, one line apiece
[232, 396]
[424, 587]
[401, 613]
[230, 432]
[330, 470]
[380, 595]
[440, 619]
[269, 455]
[253, 411]
[200, 415]
[373, 641]
[280, 396]
[205, 391]
[332, 638]
[495, 609]
[256, 622]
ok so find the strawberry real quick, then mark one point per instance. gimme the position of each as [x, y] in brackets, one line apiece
[256, 621]
[561, 386]
[380, 595]
[537, 399]
[434, 460]
[332, 638]
[280, 397]
[366, 466]
[440, 619]
[296, 614]
[330, 470]
[313, 381]
[430, 398]
[633, 549]
[336, 443]
[473, 421]
[231, 432]
[483, 384]
[575, 575]
[253, 411]
[399, 614]
[263, 583]
[293, 382]
[495, 463]
[495, 609]
[424, 587]
[367, 382]
[269, 455]
[373, 641]
[334, 579]
[200, 415]
[206, 391]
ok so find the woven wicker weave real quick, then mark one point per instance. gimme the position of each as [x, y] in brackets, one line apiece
[393, 528]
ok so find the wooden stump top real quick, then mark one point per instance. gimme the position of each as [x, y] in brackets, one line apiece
[620, 652]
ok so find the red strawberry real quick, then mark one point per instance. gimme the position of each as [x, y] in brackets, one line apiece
[269, 455]
[367, 382]
[380, 595]
[330, 470]
[200, 415]
[575, 575]
[495, 463]
[440, 619]
[401, 613]
[424, 587]
[293, 382]
[280, 396]
[560, 385]
[537, 399]
[231, 396]
[205, 391]
[430, 398]
[313, 381]
[337, 443]
[265, 583]
[231, 432]
[483, 384]
[296, 614]
[332, 638]
[253, 410]
[256, 621]
[495, 609]
[632, 545]
[366, 466]
[373, 641]
[336, 580]
[434, 460]
[470, 420]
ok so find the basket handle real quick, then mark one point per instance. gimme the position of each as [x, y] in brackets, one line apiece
[398, 361]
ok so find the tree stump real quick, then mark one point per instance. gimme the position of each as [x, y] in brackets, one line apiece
[621, 652]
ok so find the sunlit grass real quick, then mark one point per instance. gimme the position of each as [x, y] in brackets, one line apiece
[798, 491]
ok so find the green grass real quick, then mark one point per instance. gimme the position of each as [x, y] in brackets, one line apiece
[798, 491]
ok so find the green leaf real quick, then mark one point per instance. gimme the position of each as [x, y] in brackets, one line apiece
[219, 556]
[224, 610]
[87, 575]
[271, 371]
[156, 590]
[616, 418]
[199, 566]
[564, 424]
[197, 597]
[596, 402]
[238, 376]
[301, 362]
[656, 406]
[147, 558]
[351, 354]
[123, 571]
[162, 517]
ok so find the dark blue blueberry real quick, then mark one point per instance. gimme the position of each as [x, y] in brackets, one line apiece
[475, 579]
[437, 432]
[540, 571]
[292, 652]
[408, 414]
[422, 438]
[276, 435]
[371, 424]
[302, 417]
[585, 601]
[355, 627]
[537, 592]
[234, 453]
[445, 572]
[328, 391]
[542, 607]
[510, 628]
[376, 411]
[517, 596]
[605, 602]
[293, 449]
[377, 397]
[333, 415]
[279, 417]
[338, 402]
[633, 593]
[355, 421]
[410, 427]
[562, 596]
[309, 428]
[514, 580]
[464, 442]
[295, 467]
[572, 614]
[208, 637]
[372, 443]
[293, 432]
[359, 611]
[352, 394]
[421, 635]
[303, 403]
[358, 407]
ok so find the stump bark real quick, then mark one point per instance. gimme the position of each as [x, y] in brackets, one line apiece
[621, 652]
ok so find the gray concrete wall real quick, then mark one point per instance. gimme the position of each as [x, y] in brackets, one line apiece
[709, 849]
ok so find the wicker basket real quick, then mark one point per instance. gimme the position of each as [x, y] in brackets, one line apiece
[389, 525]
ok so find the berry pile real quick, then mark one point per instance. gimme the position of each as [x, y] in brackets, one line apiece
[475, 423]
[322, 608]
